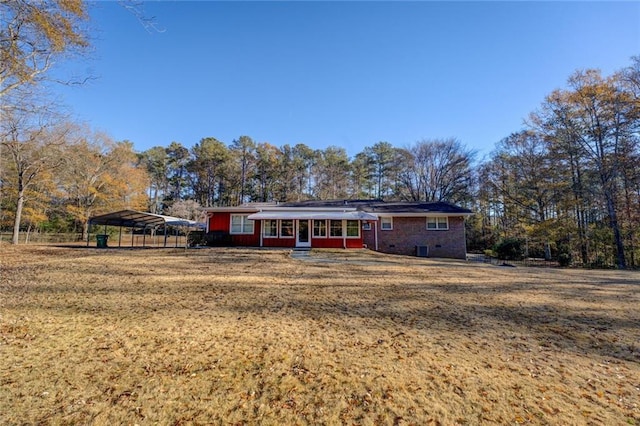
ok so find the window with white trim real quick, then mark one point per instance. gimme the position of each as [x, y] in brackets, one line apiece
[438, 223]
[319, 228]
[335, 228]
[286, 228]
[270, 229]
[386, 223]
[353, 228]
[240, 224]
[366, 226]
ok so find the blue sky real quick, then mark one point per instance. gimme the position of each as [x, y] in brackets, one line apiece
[348, 74]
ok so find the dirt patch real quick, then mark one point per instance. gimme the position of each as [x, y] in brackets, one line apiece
[239, 336]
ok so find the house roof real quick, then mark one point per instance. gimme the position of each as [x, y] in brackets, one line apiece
[319, 215]
[407, 207]
[381, 207]
[354, 204]
[375, 207]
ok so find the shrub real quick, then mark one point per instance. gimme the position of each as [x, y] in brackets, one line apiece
[564, 259]
[509, 249]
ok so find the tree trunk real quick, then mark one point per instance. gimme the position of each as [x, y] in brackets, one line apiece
[18, 218]
[613, 223]
[85, 230]
[547, 250]
[26, 238]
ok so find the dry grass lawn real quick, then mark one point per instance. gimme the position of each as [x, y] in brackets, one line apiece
[239, 336]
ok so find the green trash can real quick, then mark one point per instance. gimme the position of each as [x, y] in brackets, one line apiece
[102, 240]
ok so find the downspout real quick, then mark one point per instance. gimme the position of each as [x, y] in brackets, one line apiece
[261, 232]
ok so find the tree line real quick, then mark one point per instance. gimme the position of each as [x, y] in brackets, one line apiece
[564, 186]
[569, 181]
[216, 174]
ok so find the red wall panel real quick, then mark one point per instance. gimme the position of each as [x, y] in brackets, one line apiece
[246, 240]
[279, 242]
[220, 222]
[336, 242]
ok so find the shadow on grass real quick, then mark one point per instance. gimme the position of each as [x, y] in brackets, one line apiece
[243, 284]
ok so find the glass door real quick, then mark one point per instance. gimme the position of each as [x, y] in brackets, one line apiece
[303, 235]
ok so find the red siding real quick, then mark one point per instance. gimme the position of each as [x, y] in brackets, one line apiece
[220, 222]
[354, 243]
[336, 242]
[246, 239]
[279, 242]
[326, 243]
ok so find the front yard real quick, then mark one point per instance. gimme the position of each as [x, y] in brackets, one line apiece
[241, 336]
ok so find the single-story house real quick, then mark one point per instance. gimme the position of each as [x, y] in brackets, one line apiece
[412, 228]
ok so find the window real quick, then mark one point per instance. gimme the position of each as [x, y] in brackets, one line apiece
[270, 228]
[386, 223]
[437, 223]
[366, 226]
[353, 228]
[286, 228]
[240, 224]
[319, 228]
[335, 228]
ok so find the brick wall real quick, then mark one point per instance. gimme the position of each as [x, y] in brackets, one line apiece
[409, 232]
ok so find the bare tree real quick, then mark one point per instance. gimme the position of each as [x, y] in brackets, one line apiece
[599, 118]
[437, 170]
[189, 210]
[33, 34]
[30, 144]
[101, 175]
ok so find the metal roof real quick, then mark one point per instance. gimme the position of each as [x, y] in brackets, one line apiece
[374, 207]
[382, 207]
[303, 215]
[436, 207]
[136, 219]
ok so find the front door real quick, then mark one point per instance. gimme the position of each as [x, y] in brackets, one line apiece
[303, 235]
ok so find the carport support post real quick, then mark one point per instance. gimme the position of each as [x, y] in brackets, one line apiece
[88, 233]
[120, 236]
[144, 235]
[165, 235]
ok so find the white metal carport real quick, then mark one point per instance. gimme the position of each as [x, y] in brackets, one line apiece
[141, 220]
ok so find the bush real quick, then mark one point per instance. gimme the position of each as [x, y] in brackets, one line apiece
[564, 259]
[509, 249]
[196, 238]
[490, 253]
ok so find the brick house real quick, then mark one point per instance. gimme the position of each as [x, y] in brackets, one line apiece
[424, 229]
